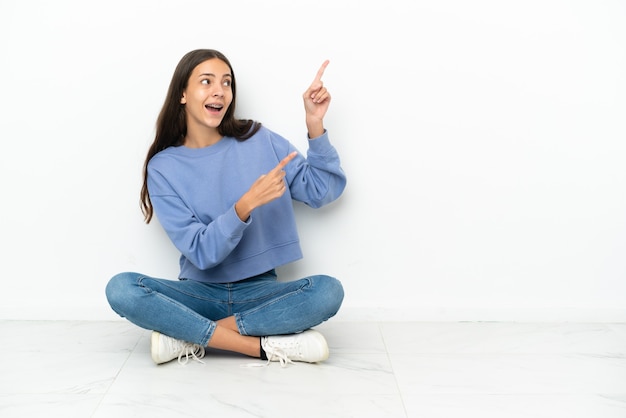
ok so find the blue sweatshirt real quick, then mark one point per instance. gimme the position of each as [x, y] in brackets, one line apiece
[194, 190]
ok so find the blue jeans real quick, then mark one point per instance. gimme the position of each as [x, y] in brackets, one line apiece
[187, 309]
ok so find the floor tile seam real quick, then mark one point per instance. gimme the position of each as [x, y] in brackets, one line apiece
[98, 404]
[393, 372]
[117, 374]
[569, 394]
[56, 393]
[574, 355]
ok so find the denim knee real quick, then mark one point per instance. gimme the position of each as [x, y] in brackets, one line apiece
[330, 294]
[118, 289]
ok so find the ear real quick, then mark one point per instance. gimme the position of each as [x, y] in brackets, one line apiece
[183, 100]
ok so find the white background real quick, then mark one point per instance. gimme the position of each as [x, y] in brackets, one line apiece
[484, 143]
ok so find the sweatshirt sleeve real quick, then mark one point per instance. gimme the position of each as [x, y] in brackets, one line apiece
[318, 179]
[204, 245]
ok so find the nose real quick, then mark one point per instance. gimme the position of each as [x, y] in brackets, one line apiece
[219, 91]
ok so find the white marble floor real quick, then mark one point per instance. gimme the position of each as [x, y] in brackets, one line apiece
[389, 369]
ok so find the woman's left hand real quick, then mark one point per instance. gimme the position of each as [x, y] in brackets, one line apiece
[316, 102]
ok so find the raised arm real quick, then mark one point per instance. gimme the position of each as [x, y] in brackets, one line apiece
[316, 102]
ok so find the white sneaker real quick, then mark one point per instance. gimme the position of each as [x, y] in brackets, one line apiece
[166, 348]
[308, 346]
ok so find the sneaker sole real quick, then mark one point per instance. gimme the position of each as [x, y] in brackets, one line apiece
[320, 338]
[154, 347]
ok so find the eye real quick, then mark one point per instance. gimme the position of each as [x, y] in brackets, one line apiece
[205, 81]
[227, 83]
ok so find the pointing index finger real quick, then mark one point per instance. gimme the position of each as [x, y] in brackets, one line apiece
[320, 72]
[285, 161]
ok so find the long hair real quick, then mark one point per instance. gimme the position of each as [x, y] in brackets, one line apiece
[171, 126]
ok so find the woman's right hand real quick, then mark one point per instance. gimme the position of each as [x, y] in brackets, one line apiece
[265, 189]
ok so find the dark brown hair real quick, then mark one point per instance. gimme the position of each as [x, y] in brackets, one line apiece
[171, 126]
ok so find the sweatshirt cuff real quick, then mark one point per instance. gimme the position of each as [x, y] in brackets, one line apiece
[320, 144]
[232, 226]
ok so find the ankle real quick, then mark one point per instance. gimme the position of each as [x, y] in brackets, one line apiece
[263, 354]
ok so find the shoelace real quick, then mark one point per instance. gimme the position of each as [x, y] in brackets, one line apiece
[194, 351]
[278, 353]
[282, 358]
[273, 352]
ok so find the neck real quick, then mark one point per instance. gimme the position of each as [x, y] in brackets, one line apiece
[200, 141]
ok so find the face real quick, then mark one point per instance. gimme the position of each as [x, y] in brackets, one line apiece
[207, 97]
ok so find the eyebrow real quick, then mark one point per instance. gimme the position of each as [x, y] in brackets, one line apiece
[213, 75]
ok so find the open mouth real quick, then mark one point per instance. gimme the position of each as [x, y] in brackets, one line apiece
[215, 107]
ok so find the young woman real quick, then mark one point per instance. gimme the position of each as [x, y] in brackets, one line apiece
[222, 189]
